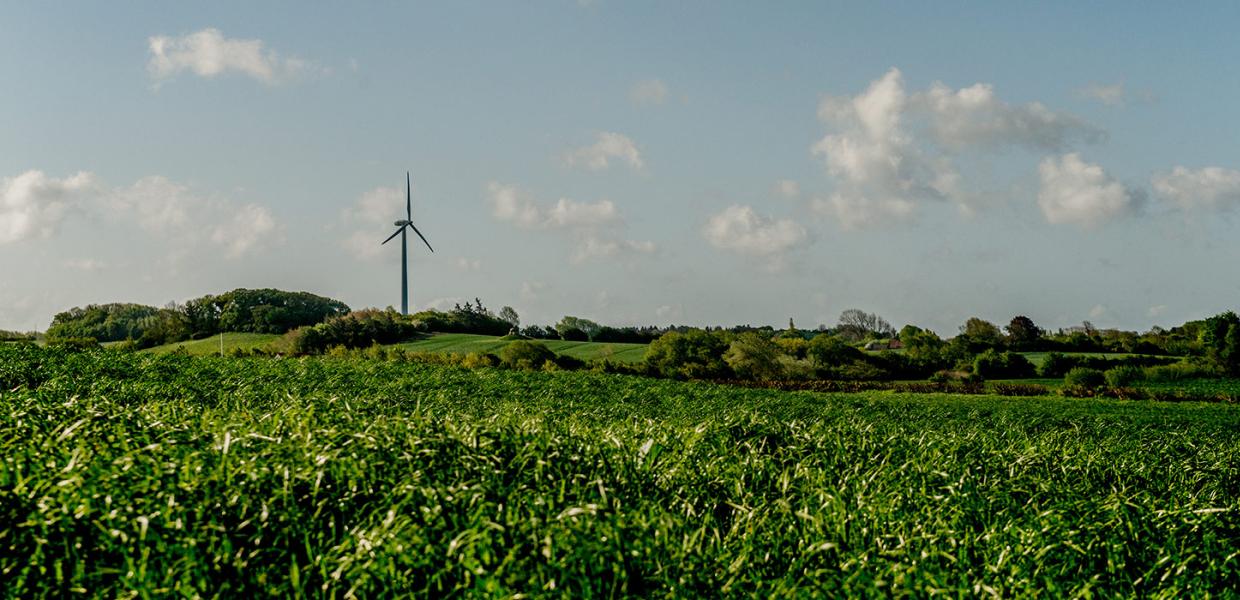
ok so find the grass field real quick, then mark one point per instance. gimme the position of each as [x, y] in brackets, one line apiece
[211, 345]
[140, 475]
[463, 343]
[460, 343]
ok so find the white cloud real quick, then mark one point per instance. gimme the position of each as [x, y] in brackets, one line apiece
[159, 205]
[889, 150]
[787, 188]
[33, 204]
[741, 230]
[1074, 191]
[667, 311]
[974, 116]
[1156, 311]
[607, 146]
[84, 264]
[1211, 188]
[170, 210]
[207, 53]
[370, 219]
[251, 228]
[530, 290]
[1098, 311]
[468, 264]
[649, 92]
[854, 212]
[1108, 94]
[593, 225]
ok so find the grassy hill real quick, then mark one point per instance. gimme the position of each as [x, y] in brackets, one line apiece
[463, 343]
[211, 345]
[458, 343]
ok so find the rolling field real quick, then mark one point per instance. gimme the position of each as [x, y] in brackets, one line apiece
[459, 343]
[211, 345]
[464, 343]
[141, 475]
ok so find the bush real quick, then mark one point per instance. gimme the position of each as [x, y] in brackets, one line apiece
[1084, 378]
[1019, 389]
[526, 355]
[360, 329]
[1124, 376]
[1002, 365]
[478, 360]
[76, 344]
[694, 354]
[754, 356]
[1179, 372]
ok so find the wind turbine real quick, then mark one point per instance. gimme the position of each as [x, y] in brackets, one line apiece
[404, 252]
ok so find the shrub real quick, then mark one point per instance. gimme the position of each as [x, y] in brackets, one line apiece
[478, 360]
[1002, 365]
[754, 356]
[76, 344]
[355, 330]
[693, 354]
[1084, 378]
[525, 355]
[1019, 389]
[1179, 372]
[1124, 376]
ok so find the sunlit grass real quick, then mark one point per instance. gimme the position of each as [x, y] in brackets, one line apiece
[127, 474]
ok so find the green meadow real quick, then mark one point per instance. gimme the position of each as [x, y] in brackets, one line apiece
[139, 475]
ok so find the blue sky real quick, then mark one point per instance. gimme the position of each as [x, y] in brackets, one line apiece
[699, 163]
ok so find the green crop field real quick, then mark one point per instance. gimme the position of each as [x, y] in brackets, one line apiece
[463, 343]
[211, 345]
[139, 475]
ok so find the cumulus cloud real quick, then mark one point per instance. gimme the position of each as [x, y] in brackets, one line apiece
[607, 146]
[1211, 188]
[84, 264]
[157, 204]
[741, 230]
[32, 205]
[786, 188]
[370, 219]
[170, 210]
[251, 228]
[595, 226]
[207, 53]
[1074, 191]
[975, 116]
[889, 150]
[1108, 94]
[531, 290]
[468, 264]
[649, 92]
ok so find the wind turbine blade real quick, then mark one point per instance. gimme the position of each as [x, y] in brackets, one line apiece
[415, 230]
[393, 235]
[408, 198]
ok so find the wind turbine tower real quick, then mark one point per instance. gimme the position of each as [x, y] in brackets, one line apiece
[401, 226]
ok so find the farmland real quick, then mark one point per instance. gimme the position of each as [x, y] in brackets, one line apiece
[135, 474]
[456, 343]
[462, 343]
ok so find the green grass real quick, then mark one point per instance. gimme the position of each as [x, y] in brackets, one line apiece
[464, 343]
[211, 345]
[1037, 358]
[138, 475]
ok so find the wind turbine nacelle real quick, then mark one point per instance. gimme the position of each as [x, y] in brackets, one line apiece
[401, 223]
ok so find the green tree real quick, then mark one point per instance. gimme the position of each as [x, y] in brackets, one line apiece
[509, 315]
[694, 354]
[1220, 337]
[1023, 333]
[754, 356]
